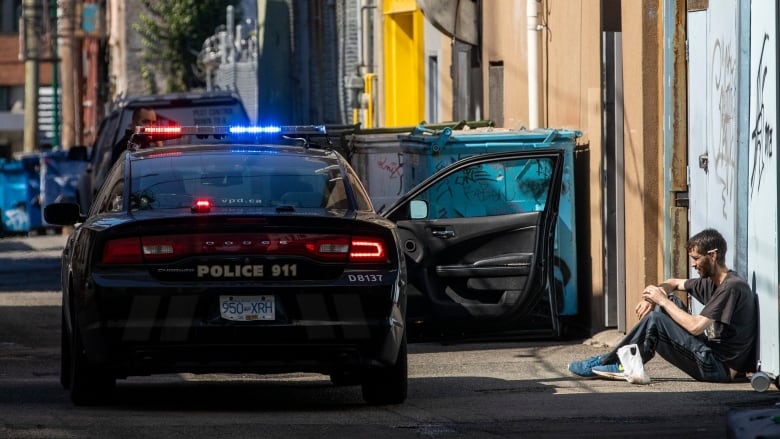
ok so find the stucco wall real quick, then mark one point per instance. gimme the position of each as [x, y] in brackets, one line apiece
[570, 97]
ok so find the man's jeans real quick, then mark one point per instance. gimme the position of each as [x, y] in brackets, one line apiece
[657, 332]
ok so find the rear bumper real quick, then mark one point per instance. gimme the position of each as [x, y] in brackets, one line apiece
[134, 332]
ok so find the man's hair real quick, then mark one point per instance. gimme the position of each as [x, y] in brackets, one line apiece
[709, 240]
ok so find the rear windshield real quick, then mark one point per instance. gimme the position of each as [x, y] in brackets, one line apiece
[236, 180]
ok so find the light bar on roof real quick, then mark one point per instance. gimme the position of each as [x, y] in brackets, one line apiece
[255, 130]
[274, 129]
[150, 135]
[209, 130]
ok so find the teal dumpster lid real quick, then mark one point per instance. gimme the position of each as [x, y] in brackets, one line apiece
[436, 140]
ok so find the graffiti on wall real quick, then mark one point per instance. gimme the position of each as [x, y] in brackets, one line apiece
[724, 95]
[762, 130]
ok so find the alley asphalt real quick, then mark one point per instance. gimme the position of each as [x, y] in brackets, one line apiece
[746, 423]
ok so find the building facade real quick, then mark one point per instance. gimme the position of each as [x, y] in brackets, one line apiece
[676, 101]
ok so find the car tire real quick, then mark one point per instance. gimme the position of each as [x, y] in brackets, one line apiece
[64, 356]
[387, 385]
[88, 386]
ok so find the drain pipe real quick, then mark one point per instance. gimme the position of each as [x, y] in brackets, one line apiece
[532, 14]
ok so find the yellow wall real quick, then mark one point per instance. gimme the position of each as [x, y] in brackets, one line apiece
[404, 73]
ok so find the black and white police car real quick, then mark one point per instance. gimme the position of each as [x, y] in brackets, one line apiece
[236, 252]
[231, 255]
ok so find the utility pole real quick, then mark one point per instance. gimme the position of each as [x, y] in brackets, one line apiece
[52, 38]
[68, 50]
[31, 20]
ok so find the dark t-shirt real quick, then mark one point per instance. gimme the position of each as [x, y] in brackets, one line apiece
[732, 307]
[120, 146]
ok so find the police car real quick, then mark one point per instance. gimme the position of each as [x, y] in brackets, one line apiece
[231, 255]
[257, 249]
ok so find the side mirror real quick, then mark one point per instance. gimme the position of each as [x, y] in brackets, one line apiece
[78, 153]
[418, 209]
[63, 214]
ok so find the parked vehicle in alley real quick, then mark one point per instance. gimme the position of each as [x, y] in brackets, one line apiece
[190, 108]
[231, 256]
[237, 253]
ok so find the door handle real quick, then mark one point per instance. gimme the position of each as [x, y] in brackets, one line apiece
[442, 233]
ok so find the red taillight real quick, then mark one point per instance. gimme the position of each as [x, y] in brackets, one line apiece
[166, 248]
[122, 251]
[331, 249]
[364, 249]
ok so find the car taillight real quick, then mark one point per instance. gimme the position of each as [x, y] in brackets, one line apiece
[365, 249]
[166, 248]
[330, 249]
[122, 251]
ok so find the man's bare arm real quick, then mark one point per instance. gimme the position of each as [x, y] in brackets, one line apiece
[695, 324]
[670, 285]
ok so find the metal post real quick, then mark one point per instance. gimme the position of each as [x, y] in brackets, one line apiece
[55, 141]
[31, 22]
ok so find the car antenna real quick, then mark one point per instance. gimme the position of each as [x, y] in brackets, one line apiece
[304, 141]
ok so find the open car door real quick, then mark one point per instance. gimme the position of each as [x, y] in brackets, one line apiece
[479, 238]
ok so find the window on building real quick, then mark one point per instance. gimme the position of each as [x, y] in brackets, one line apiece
[432, 90]
[12, 98]
[496, 92]
[10, 12]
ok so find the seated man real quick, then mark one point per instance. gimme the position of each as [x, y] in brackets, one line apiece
[714, 346]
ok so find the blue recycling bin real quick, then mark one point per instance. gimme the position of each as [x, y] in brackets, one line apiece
[59, 177]
[426, 151]
[32, 175]
[13, 197]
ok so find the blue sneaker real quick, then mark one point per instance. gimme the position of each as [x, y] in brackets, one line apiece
[613, 371]
[584, 368]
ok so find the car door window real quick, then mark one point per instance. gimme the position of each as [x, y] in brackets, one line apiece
[477, 237]
[111, 197]
[490, 189]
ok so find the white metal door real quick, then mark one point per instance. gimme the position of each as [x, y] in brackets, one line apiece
[763, 180]
[712, 121]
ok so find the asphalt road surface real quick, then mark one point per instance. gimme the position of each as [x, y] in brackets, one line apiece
[458, 389]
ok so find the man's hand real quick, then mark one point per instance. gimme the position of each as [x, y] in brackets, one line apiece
[654, 294]
[658, 295]
[642, 308]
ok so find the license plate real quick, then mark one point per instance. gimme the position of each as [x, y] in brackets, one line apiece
[247, 308]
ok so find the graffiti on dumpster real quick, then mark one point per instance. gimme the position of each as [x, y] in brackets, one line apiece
[761, 135]
[393, 171]
[16, 219]
[724, 82]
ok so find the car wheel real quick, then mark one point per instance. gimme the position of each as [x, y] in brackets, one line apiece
[387, 385]
[64, 356]
[88, 386]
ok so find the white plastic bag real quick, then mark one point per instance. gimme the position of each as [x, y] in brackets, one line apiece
[632, 365]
